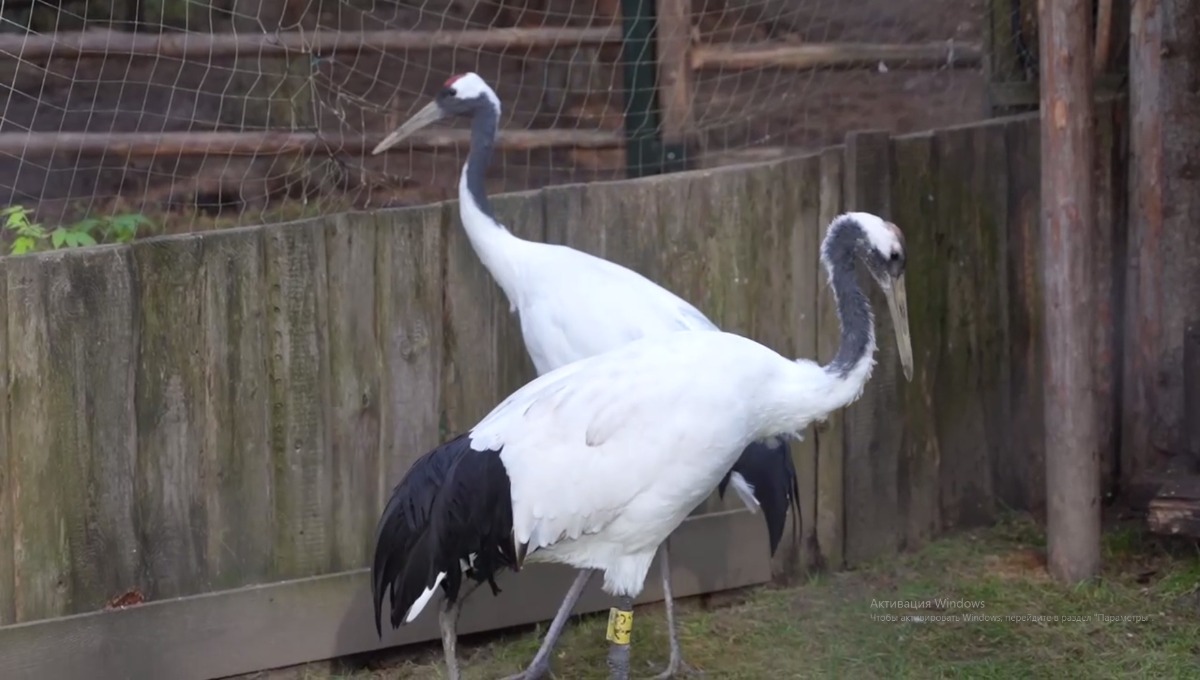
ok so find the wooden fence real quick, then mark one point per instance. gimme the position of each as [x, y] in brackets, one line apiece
[214, 420]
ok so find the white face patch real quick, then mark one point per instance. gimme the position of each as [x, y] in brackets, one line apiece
[469, 86]
[880, 234]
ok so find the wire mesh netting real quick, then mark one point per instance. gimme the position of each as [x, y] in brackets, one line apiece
[196, 115]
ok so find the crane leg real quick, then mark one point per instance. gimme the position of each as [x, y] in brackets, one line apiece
[448, 622]
[675, 664]
[541, 662]
[620, 629]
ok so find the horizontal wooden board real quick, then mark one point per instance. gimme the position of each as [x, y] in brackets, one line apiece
[258, 627]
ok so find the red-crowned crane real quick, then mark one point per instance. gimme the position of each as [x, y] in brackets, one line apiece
[595, 463]
[572, 305]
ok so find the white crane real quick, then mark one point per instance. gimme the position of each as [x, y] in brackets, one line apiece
[594, 464]
[571, 306]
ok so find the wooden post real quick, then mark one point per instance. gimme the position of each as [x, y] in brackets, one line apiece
[675, 71]
[1163, 275]
[1068, 226]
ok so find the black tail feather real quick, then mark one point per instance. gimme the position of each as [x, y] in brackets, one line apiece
[772, 473]
[452, 499]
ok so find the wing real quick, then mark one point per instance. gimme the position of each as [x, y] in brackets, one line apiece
[584, 305]
[583, 443]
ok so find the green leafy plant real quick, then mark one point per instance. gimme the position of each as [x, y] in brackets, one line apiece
[29, 236]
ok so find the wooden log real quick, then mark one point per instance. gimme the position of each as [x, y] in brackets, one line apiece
[830, 435]
[1068, 154]
[874, 429]
[257, 628]
[239, 485]
[152, 144]
[298, 323]
[7, 542]
[837, 55]
[1176, 509]
[71, 358]
[208, 46]
[172, 470]
[410, 253]
[1104, 29]
[914, 202]
[355, 373]
[674, 41]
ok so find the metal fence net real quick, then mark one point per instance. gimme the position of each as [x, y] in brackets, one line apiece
[195, 115]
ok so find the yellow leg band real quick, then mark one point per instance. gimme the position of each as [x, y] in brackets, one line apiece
[620, 626]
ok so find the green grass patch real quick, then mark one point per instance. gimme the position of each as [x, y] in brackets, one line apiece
[1137, 620]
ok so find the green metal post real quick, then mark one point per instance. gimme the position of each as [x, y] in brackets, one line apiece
[645, 153]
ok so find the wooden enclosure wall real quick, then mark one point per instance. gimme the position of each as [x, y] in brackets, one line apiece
[214, 420]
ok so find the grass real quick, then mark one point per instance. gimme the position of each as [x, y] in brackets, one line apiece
[1138, 619]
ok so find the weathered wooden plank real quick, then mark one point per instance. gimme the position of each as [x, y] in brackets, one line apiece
[293, 622]
[7, 544]
[238, 502]
[355, 364]
[913, 203]
[830, 435]
[172, 468]
[409, 285]
[967, 374]
[299, 379]
[990, 184]
[874, 424]
[42, 559]
[1025, 486]
[785, 287]
[72, 349]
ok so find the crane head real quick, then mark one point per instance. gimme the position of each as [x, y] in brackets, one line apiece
[882, 248]
[462, 95]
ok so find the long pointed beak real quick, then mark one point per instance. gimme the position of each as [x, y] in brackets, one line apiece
[430, 114]
[897, 299]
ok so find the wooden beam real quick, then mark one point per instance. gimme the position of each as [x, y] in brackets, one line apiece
[674, 69]
[1009, 95]
[837, 55]
[150, 144]
[319, 43]
[282, 624]
[1069, 302]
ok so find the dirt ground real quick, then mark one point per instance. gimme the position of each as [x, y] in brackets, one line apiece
[737, 112]
[978, 604]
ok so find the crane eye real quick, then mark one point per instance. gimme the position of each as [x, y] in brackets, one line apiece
[895, 256]
[449, 92]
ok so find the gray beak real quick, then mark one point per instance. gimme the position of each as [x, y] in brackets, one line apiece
[429, 114]
[897, 299]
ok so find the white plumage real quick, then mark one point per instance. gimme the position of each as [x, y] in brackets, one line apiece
[634, 419]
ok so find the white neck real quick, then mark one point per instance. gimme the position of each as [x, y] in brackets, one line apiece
[807, 392]
[497, 248]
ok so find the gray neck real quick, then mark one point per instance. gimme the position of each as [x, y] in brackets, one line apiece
[483, 140]
[854, 310]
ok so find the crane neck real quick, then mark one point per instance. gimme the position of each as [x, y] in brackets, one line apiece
[484, 123]
[839, 254]
[495, 246]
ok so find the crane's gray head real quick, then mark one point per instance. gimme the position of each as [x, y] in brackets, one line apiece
[880, 245]
[462, 95]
